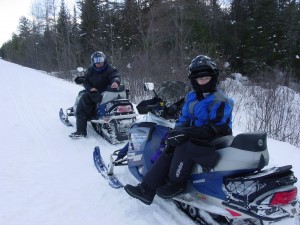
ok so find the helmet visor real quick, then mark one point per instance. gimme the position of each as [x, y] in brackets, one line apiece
[199, 74]
[98, 60]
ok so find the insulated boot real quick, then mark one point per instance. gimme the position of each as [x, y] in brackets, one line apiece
[141, 192]
[77, 134]
[81, 124]
[170, 190]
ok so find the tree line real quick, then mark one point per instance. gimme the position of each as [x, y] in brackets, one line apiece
[156, 39]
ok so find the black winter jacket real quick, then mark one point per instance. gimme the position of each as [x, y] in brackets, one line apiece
[100, 79]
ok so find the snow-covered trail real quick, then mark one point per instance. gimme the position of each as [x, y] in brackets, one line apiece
[47, 178]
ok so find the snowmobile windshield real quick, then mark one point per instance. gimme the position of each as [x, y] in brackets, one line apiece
[173, 91]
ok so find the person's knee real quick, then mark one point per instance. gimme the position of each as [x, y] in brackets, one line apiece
[85, 97]
[95, 97]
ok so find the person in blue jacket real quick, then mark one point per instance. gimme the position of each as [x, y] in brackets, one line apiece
[98, 76]
[206, 115]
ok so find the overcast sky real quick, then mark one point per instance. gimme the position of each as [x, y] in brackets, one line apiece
[12, 10]
[10, 13]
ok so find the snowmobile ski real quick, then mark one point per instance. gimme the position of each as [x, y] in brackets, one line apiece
[64, 119]
[104, 171]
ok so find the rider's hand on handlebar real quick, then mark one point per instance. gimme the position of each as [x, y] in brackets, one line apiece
[114, 85]
[172, 109]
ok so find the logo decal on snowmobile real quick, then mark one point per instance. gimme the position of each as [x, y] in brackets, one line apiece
[199, 181]
[260, 143]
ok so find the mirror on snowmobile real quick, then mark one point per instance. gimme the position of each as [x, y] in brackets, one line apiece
[148, 86]
[80, 69]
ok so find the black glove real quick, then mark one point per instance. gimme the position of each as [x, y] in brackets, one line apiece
[177, 137]
[172, 109]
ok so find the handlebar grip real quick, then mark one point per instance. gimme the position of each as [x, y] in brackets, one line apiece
[79, 80]
[150, 106]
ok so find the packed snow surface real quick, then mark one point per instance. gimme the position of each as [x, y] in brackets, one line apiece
[47, 178]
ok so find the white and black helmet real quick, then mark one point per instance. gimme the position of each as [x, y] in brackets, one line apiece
[202, 64]
[98, 57]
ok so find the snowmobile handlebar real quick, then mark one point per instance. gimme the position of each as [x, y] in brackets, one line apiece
[79, 80]
[151, 105]
[156, 107]
[121, 88]
[160, 108]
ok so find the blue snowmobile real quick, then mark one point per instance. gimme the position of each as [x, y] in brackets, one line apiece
[113, 116]
[237, 191]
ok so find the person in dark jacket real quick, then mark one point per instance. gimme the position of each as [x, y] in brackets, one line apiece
[206, 115]
[98, 76]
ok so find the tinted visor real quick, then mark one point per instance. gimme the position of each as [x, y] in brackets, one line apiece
[98, 60]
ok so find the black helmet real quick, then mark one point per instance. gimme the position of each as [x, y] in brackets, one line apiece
[98, 57]
[203, 66]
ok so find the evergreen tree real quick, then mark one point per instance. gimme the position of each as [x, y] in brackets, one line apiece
[24, 27]
[265, 34]
[75, 41]
[63, 28]
[129, 28]
[290, 17]
[47, 51]
[27, 46]
[90, 23]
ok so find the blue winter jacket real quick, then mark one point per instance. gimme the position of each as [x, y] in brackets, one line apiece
[206, 118]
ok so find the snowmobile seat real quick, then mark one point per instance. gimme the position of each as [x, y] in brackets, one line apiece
[222, 142]
[254, 141]
[248, 151]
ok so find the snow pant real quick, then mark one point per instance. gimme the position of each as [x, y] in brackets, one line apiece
[86, 109]
[176, 167]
